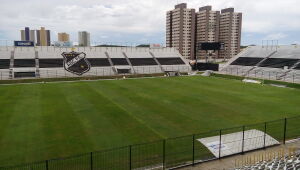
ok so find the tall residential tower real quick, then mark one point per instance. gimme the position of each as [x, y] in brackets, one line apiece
[84, 38]
[181, 30]
[207, 28]
[28, 35]
[185, 29]
[43, 37]
[63, 37]
[230, 32]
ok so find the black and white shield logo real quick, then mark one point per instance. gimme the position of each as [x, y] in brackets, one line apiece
[76, 63]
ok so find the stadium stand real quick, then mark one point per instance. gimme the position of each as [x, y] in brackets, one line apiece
[48, 62]
[119, 61]
[275, 63]
[99, 61]
[24, 62]
[143, 62]
[5, 63]
[285, 162]
[171, 60]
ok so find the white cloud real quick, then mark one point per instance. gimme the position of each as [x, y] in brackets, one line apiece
[276, 36]
[135, 17]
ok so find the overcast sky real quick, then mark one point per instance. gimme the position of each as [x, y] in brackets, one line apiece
[143, 21]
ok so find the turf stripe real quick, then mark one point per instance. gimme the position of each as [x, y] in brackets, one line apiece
[64, 131]
[120, 113]
[23, 130]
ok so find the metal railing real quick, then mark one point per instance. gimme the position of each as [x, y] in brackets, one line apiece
[284, 75]
[176, 152]
[8, 74]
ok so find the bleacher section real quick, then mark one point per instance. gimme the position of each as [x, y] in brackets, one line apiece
[5, 54]
[4, 63]
[278, 163]
[48, 62]
[247, 61]
[119, 62]
[279, 62]
[100, 64]
[143, 62]
[171, 61]
[275, 63]
[51, 62]
[24, 63]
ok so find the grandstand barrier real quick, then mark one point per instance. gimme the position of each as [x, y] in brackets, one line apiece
[177, 152]
[59, 72]
[292, 76]
[281, 63]
[54, 62]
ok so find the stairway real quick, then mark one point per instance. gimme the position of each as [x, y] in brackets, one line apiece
[129, 62]
[111, 63]
[37, 64]
[11, 65]
[160, 66]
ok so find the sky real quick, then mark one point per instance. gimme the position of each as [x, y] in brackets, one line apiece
[138, 22]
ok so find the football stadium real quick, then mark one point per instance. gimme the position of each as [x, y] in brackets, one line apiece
[145, 108]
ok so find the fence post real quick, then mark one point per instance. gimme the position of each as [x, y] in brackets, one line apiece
[265, 132]
[47, 165]
[164, 154]
[130, 157]
[91, 160]
[284, 131]
[220, 145]
[243, 141]
[193, 149]
[293, 78]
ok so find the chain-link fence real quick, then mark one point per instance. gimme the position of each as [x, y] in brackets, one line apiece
[292, 76]
[181, 151]
[31, 73]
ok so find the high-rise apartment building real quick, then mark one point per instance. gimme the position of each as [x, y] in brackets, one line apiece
[28, 35]
[186, 29]
[207, 28]
[63, 37]
[230, 32]
[181, 30]
[84, 38]
[43, 37]
[23, 35]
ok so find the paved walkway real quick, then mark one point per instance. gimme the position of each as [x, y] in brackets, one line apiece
[238, 160]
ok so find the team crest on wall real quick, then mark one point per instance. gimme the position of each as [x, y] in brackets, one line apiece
[76, 63]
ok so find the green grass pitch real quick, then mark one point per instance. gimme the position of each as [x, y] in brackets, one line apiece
[45, 121]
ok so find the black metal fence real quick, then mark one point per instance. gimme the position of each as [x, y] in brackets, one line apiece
[175, 152]
[284, 75]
